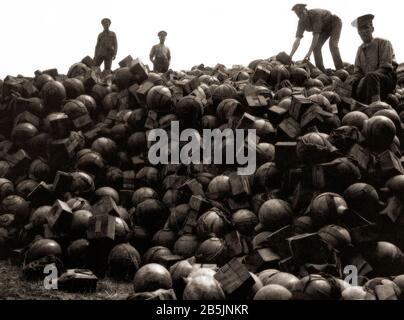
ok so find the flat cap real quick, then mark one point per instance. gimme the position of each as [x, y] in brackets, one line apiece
[363, 20]
[162, 33]
[299, 6]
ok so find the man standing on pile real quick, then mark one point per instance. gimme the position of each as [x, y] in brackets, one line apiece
[160, 54]
[323, 24]
[107, 46]
[374, 75]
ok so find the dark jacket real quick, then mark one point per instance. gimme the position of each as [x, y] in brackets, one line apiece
[377, 56]
[107, 45]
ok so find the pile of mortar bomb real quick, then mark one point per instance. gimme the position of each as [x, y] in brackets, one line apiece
[77, 189]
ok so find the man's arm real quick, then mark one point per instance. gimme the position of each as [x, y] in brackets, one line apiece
[152, 53]
[115, 43]
[314, 42]
[295, 46]
[358, 72]
[317, 18]
[169, 55]
[97, 46]
[299, 36]
[386, 56]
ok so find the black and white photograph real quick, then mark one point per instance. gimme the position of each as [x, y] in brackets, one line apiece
[221, 152]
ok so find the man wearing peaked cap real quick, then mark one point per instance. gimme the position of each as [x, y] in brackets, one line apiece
[324, 25]
[160, 54]
[299, 6]
[364, 20]
[106, 20]
[107, 46]
[374, 75]
[162, 34]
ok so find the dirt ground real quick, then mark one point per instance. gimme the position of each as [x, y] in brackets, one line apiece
[13, 287]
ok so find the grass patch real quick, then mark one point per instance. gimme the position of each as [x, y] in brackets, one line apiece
[14, 287]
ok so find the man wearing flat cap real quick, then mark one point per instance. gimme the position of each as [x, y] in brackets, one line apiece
[160, 54]
[107, 46]
[374, 75]
[324, 25]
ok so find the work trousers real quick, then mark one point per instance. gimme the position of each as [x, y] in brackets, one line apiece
[374, 83]
[107, 62]
[161, 65]
[334, 35]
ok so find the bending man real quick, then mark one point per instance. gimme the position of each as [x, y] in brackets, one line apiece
[323, 24]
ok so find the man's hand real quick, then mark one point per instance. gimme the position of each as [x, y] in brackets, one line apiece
[307, 57]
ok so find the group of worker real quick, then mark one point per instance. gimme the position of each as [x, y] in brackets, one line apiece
[374, 75]
[107, 48]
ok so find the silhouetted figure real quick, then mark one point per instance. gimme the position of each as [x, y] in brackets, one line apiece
[107, 46]
[323, 24]
[160, 54]
[375, 65]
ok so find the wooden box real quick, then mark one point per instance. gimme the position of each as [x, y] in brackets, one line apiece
[101, 227]
[60, 217]
[235, 279]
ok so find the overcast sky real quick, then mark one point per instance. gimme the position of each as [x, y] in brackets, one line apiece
[45, 34]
